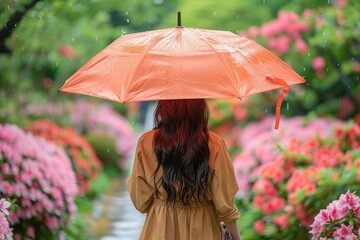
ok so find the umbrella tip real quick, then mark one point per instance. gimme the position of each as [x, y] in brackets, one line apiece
[179, 19]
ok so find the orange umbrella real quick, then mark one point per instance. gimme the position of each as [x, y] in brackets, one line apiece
[182, 63]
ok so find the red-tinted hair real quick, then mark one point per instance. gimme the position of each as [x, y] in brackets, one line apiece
[181, 148]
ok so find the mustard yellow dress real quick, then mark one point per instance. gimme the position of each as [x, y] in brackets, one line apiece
[179, 222]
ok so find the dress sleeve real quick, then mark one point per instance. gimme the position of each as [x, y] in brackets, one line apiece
[224, 186]
[140, 192]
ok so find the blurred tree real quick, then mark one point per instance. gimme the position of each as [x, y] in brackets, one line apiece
[10, 25]
[56, 37]
[230, 15]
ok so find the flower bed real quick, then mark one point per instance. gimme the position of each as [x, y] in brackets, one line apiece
[97, 121]
[39, 177]
[95, 118]
[286, 193]
[82, 155]
[260, 144]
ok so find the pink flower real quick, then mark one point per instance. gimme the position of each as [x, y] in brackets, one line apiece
[344, 232]
[282, 221]
[301, 46]
[48, 83]
[253, 32]
[357, 67]
[259, 226]
[67, 52]
[319, 22]
[318, 63]
[240, 114]
[308, 13]
[266, 187]
[5, 230]
[30, 232]
[335, 211]
[349, 201]
[4, 205]
[341, 3]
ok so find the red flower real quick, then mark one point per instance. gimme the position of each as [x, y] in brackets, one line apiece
[282, 221]
[259, 226]
[67, 51]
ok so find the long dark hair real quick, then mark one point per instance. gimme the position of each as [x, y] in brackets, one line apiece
[181, 148]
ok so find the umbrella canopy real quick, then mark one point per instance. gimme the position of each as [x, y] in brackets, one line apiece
[182, 63]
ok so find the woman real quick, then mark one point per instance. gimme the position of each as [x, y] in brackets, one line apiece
[182, 177]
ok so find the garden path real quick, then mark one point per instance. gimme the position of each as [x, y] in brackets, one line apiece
[114, 216]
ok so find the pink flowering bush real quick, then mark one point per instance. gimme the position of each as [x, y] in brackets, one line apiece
[315, 42]
[5, 230]
[39, 177]
[100, 118]
[340, 219]
[83, 157]
[97, 121]
[304, 177]
[262, 134]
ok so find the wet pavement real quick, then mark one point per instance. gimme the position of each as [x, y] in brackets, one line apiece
[115, 217]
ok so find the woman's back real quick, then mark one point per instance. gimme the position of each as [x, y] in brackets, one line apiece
[196, 220]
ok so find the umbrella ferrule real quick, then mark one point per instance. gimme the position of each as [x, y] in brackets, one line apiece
[179, 19]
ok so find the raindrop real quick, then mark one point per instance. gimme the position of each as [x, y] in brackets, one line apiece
[214, 13]
[287, 106]
[158, 2]
[108, 150]
[73, 39]
[265, 110]
[264, 1]
[127, 20]
[126, 13]
[57, 64]
[308, 54]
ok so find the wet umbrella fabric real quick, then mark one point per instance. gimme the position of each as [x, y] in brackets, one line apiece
[182, 63]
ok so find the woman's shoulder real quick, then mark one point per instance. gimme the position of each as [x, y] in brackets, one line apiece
[215, 138]
[215, 141]
[147, 136]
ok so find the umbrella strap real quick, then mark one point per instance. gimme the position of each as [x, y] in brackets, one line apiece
[281, 98]
[278, 106]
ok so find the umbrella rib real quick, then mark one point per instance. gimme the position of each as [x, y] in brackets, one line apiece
[145, 53]
[222, 64]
